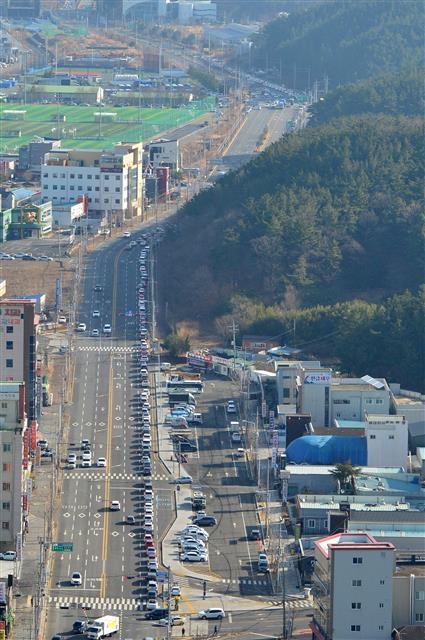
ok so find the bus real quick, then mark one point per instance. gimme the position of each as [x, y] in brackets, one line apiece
[194, 386]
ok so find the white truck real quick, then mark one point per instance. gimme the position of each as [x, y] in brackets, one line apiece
[103, 627]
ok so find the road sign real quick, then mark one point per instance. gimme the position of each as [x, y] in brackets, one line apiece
[62, 546]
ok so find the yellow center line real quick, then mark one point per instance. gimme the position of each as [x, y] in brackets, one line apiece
[105, 537]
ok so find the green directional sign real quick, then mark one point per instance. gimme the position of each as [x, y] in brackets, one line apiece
[62, 546]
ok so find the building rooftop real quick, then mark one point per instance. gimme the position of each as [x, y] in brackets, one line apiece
[351, 541]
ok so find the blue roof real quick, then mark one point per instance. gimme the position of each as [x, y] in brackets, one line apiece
[21, 193]
[328, 450]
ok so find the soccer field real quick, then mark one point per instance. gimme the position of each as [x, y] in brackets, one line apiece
[79, 127]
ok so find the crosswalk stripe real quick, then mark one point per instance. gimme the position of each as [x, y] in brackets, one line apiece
[108, 348]
[112, 476]
[122, 604]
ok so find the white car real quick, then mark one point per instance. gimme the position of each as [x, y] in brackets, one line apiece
[96, 313]
[194, 556]
[175, 590]
[101, 462]
[183, 480]
[76, 579]
[126, 234]
[231, 407]
[195, 531]
[107, 329]
[115, 505]
[81, 327]
[62, 320]
[72, 458]
[95, 333]
[214, 613]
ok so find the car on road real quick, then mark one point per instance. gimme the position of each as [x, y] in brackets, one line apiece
[42, 444]
[81, 327]
[58, 637]
[152, 603]
[107, 329]
[231, 407]
[194, 556]
[85, 444]
[214, 613]
[96, 313]
[130, 519]
[98, 287]
[95, 333]
[45, 258]
[156, 614]
[205, 521]
[101, 462]
[79, 626]
[72, 458]
[175, 590]
[76, 579]
[183, 480]
[174, 621]
[126, 234]
[62, 320]
[8, 555]
[115, 505]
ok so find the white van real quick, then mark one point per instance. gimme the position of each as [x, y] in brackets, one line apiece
[86, 459]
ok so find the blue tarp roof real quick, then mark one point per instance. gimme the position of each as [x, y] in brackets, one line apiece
[328, 450]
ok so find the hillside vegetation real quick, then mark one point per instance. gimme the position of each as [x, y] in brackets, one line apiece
[344, 40]
[398, 93]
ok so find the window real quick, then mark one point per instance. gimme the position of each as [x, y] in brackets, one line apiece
[286, 392]
[5, 525]
[89, 199]
[45, 186]
[106, 177]
[356, 583]
[62, 176]
[6, 486]
[7, 467]
[355, 627]
[72, 188]
[379, 401]
[106, 200]
[97, 177]
[72, 175]
[89, 177]
[381, 605]
[79, 188]
[372, 437]
[380, 627]
[5, 506]
[118, 177]
[96, 200]
[106, 188]
[117, 201]
[357, 560]
[7, 447]
[55, 187]
[9, 328]
[4, 405]
[419, 617]
[311, 523]
[45, 175]
[419, 595]
[80, 176]
[390, 437]
[9, 363]
[9, 345]
[62, 187]
[54, 175]
[89, 188]
[356, 605]
[97, 189]
[382, 582]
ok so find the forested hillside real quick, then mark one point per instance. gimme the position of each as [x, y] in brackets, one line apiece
[344, 41]
[400, 93]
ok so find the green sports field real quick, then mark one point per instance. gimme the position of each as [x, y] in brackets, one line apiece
[78, 126]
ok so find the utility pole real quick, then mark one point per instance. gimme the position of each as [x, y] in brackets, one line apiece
[234, 328]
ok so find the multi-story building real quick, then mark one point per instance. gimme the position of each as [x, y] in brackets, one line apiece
[353, 588]
[18, 343]
[111, 180]
[14, 461]
[387, 440]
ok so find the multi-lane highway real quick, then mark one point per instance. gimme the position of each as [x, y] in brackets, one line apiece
[106, 551]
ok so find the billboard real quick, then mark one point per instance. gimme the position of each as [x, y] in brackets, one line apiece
[318, 377]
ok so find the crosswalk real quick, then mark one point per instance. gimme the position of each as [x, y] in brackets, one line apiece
[133, 604]
[120, 604]
[127, 477]
[107, 348]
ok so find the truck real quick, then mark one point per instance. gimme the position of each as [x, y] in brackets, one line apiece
[103, 627]
[180, 397]
[199, 501]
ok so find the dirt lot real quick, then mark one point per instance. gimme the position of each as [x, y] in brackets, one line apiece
[26, 278]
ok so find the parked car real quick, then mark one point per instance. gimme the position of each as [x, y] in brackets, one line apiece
[8, 555]
[205, 521]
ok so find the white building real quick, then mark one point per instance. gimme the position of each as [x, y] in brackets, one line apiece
[387, 440]
[164, 153]
[111, 181]
[65, 215]
[14, 447]
[353, 588]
